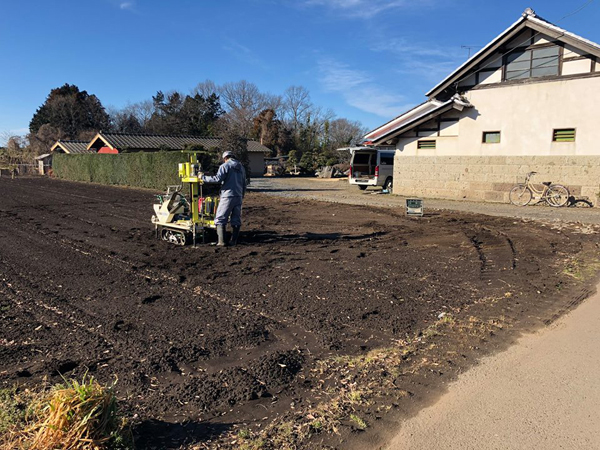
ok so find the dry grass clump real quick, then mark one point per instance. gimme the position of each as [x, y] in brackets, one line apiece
[71, 416]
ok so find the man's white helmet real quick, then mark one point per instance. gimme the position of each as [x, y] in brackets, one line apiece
[227, 154]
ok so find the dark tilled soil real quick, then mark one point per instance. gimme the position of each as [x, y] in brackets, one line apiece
[202, 339]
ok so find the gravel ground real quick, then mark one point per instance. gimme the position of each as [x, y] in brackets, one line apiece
[339, 191]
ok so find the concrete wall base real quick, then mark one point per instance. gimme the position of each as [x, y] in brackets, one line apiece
[490, 178]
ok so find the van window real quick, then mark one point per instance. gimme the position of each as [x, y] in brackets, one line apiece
[386, 159]
[361, 158]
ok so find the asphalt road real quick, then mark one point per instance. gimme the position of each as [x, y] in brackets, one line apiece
[339, 191]
[542, 393]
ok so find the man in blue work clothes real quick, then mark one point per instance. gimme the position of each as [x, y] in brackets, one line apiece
[232, 176]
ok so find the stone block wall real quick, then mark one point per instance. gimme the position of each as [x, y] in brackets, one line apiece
[490, 178]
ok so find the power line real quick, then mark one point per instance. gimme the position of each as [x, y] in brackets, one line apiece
[581, 8]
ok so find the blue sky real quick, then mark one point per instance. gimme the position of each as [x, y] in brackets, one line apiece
[366, 60]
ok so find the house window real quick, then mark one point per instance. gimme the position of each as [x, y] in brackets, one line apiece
[429, 145]
[491, 137]
[536, 62]
[564, 135]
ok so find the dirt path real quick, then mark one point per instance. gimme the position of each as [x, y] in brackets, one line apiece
[339, 191]
[543, 393]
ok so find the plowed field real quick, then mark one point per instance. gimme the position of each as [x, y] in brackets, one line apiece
[205, 339]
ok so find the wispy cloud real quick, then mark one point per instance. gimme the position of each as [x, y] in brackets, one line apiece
[430, 61]
[127, 5]
[243, 53]
[359, 89]
[364, 9]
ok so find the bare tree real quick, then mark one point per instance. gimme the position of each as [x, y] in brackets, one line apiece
[142, 111]
[343, 133]
[296, 105]
[17, 151]
[274, 102]
[46, 136]
[319, 117]
[243, 101]
[206, 88]
[4, 137]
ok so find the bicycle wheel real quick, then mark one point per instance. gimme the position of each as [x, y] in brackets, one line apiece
[520, 195]
[557, 195]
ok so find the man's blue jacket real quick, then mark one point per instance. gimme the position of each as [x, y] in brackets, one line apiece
[232, 177]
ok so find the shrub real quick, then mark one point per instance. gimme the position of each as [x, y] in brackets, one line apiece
[153, 170]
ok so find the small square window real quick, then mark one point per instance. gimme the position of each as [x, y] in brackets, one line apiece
[491, 137]
[430, 145]
[564, 135]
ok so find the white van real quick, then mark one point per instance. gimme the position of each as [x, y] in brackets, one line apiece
[371, 167]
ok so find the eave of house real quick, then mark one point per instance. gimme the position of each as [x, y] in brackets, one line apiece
[58, 145]
[399, 121]
[455, 102]
[527, 20]
[93, 141]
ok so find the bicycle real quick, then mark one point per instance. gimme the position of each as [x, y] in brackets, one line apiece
[555, 195]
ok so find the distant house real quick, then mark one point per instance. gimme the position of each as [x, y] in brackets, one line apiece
[44, 163]
[528, 101]
[70, 147]
[119, 142]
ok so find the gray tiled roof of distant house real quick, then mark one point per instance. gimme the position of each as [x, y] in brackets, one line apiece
[172, 142]
[73, 146]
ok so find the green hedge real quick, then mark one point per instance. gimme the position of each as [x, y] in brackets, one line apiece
[154, 170]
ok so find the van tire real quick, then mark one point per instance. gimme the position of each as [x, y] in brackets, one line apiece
[389, 184]
[362, 187]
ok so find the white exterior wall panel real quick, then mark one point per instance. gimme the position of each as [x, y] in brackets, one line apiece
[525, 115]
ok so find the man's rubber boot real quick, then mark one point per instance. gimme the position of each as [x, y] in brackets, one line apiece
[221, 235]
[234, 236]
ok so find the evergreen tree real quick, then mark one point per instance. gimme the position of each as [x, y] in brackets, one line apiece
[70, 111]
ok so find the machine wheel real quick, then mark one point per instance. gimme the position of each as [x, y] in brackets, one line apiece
[557, 195]
[520, 195]
[174, 237]
[362, 187]
[388, 185]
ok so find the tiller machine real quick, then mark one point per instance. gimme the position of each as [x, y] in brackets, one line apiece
[187, 210]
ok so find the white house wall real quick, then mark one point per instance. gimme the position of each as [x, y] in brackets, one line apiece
[525, 115]
[462, 167]
[491, 77]
[576, 67]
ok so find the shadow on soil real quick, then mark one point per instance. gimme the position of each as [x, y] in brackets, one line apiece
[159, 434]
[291, 190]
[272, 236]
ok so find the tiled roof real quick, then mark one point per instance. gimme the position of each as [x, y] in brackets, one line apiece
[172, 142]
[72, 146]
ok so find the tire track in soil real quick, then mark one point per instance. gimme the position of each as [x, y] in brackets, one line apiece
[157, 276]
[284, 332]
[290, 238]
[362, 271]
